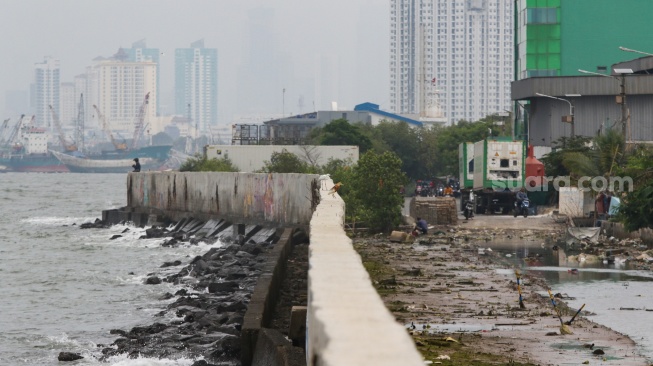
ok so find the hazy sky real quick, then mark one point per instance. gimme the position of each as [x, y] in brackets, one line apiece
[335, 50]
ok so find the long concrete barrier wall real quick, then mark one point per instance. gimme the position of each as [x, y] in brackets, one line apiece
[280, 199]
[348, 324]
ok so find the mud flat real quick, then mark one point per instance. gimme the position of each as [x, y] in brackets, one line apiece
[460, 302]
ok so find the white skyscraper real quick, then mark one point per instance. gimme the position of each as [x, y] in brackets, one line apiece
[118, 88]
[196, 86]
[67, 104]
[451, 57]
[45, 91]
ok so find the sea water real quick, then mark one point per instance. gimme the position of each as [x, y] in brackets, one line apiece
[63, 288]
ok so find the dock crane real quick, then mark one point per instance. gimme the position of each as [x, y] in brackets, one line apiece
[4, 128]
[14, 131]
[140, 118]
[120, 146]
[62, 138]
[79, 124]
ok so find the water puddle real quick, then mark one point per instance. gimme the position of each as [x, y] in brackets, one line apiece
[585, 348]
[618, 296]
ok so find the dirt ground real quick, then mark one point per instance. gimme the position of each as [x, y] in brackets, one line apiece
[460, 302]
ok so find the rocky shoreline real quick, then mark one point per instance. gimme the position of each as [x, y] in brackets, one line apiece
[207, 314]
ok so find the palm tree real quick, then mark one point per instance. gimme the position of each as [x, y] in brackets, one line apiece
[605, 157]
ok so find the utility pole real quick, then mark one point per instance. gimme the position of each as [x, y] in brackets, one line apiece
[624, 109]
[283, 103]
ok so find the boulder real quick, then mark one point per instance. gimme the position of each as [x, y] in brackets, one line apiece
[69, 356]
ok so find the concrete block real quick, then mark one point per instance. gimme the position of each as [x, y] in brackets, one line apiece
[140, 219]
[297, 329]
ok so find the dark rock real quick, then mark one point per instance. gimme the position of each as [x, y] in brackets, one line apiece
[182, 292]
[170, 243]
[153, 280]
[97, 224]
[229, 346]
[151, 329]
[166, 296]
[171, 264]
[155, 232]
[69, 356]
[115, 237]
[598, 352]
[226, 286]
[251, 249]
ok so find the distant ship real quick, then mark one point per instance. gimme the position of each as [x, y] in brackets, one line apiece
[150, 158]
[31, 155]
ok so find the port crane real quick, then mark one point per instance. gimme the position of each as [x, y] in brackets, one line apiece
[79, 130]
[120, 146]
[4, 128]
[62, 138]
[14, 131]
[140, 118]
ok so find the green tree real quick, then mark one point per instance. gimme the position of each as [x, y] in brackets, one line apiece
[636, 209]
[375, 184]
[285, 162]
[553, 161]
[200, 163]
[604, 158]
[404, 141]
[341, 132]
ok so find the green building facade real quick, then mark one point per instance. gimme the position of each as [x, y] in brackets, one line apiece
[558, 37]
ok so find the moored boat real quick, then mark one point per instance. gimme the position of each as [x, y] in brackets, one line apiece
[150, 158]
[35, 163]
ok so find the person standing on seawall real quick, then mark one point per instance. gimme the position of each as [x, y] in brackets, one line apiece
[136, 166]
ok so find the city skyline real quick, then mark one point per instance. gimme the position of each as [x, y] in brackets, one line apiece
[325, 52]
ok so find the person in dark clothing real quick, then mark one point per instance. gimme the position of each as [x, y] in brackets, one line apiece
[136, 166]
[520, 196]
[421, 227]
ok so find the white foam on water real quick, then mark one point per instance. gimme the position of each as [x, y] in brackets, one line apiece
[56, 220]
[123, 360]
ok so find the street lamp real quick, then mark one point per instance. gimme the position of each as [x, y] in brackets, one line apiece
[621, 98]
[570, 118]
[635, 51]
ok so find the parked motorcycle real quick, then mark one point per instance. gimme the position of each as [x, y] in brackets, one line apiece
[469, 210]
[522, 208]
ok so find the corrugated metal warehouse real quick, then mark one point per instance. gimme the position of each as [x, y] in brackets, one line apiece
[595, 103]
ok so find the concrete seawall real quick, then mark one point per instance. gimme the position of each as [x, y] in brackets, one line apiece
[348, 323]
[285, 200]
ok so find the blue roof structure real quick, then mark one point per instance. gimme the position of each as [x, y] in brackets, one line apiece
[374, 108]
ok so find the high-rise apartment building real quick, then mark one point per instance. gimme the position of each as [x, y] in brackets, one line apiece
[118, 87]
[140, 53]
[45, 91]
[67, 104]
[455, 54]
[196, 85]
